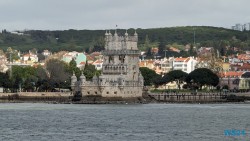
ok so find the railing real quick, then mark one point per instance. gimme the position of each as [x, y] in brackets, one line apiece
[188, 97]
[114, 69]
[121, 52]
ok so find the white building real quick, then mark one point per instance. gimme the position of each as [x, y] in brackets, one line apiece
[98, 64]
[29, 57]
[185, 64]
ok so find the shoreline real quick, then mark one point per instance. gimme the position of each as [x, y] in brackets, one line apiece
[67, 98]
[119, 102]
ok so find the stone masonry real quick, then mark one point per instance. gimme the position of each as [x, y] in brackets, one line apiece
[120, 75]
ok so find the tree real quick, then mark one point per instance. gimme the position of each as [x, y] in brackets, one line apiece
[99, 44]
[178, 76]
[149, 53]
[4, 79]
[191, 51]
[74, 69]
[89, 71]
[161, 48]
[21, 74]
[222, 51]
[12, 54]
[72, 44]
[150, 76]
[41, 57]
[202, 76]
[146, 43]
[43, 78]
[57, 72]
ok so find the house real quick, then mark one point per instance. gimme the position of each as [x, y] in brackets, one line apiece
[205, 51]
[90, 59]
[166, 64]
[147, 63]
[244, 67]
[240, 67]
[245, 81]
[29, 57]
[46, 53]
[174, 49]
[98, 64]
[244, 58]
[230, 79]
[78, 57]
[185, 64]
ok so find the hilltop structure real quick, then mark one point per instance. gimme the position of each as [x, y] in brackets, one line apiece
[120, 76]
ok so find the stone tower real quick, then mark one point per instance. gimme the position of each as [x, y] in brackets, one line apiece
[120, 75]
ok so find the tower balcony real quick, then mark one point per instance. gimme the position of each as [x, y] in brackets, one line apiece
[121, 52]
[114, 69]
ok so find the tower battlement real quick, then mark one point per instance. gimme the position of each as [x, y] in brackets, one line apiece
[115, 42]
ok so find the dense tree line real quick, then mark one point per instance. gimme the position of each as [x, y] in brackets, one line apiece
[194, 80]
[92, 40]
[55, 74]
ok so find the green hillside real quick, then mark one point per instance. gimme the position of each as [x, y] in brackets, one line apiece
[81, 40]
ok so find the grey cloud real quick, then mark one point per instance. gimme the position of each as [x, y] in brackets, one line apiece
[105, 14]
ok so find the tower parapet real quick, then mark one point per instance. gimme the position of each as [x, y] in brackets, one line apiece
[116, 42]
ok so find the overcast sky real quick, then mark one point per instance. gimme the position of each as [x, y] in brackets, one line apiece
[106, 14]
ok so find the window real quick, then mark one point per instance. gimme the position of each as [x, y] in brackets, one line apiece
[88, 92]
[115, 92]
[95, 92]
[107, 93]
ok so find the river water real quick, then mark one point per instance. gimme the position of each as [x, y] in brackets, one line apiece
[146, 122]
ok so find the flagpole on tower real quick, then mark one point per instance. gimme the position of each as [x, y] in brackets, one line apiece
[116, 28]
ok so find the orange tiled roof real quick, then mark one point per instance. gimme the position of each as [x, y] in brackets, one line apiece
[231, 74]
[187, 59]
[89, 57]
[243, 57]
[82, 63]
[174, 49]
[96, 53]
[180, 59]
[97, 62]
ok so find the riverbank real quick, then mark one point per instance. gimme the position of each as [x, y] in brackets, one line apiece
[67, 98]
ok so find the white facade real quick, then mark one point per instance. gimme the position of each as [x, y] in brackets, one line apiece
[185, 64]
[30, 57]
[98, 64]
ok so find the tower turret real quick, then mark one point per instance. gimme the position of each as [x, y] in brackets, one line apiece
[95, 79]
[126, 35]
[82, 79]
[136, 36]
[73, 81]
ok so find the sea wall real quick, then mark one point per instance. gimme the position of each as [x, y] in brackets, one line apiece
[36, 97]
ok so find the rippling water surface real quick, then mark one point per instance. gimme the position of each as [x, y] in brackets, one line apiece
[148, 122]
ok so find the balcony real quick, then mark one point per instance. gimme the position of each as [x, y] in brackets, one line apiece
[121, 52]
